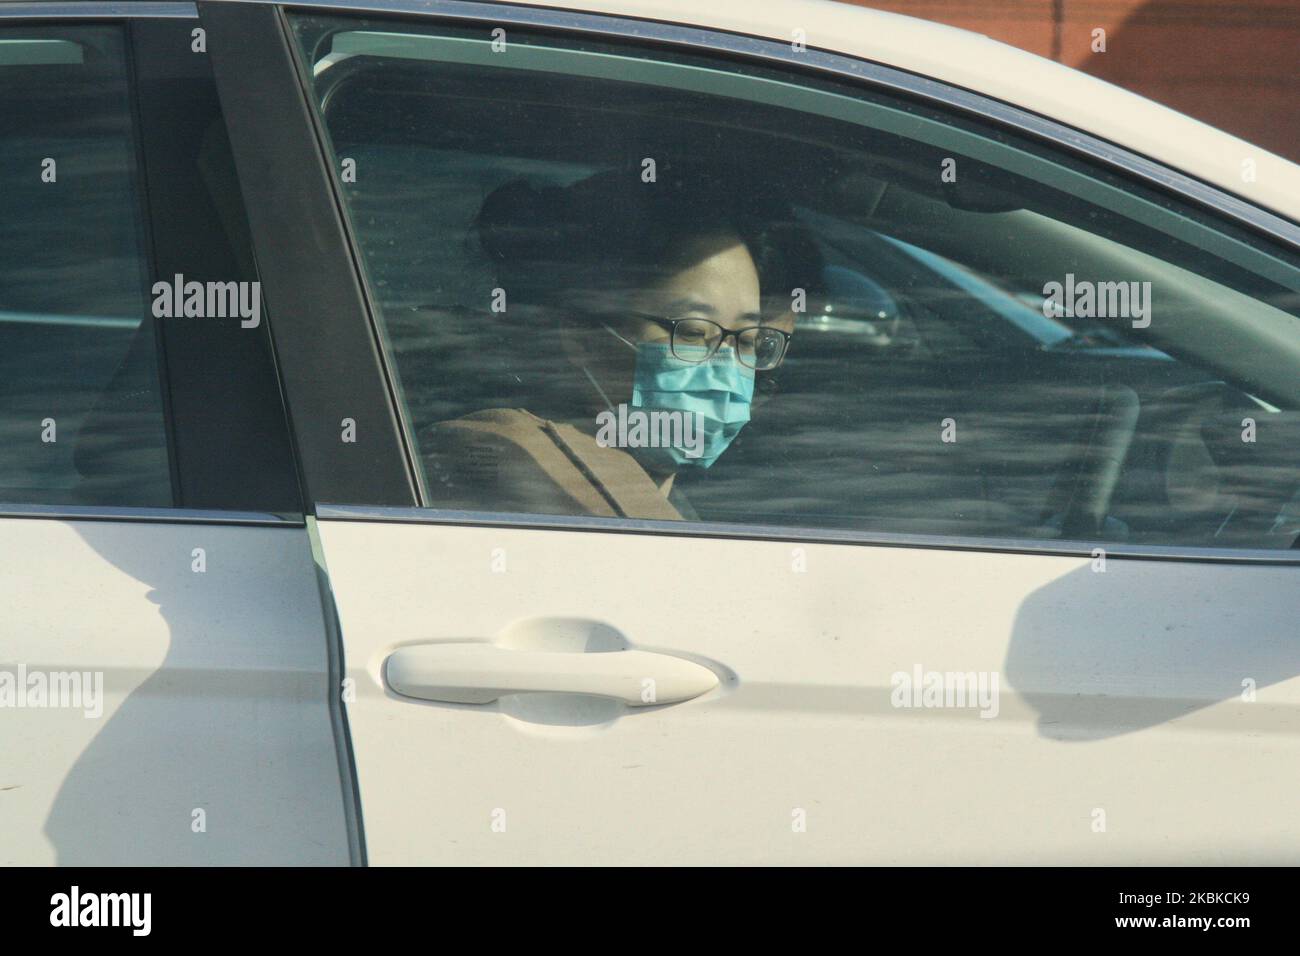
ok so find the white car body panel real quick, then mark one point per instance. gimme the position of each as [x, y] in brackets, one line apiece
[214, 684]
[1103, 710]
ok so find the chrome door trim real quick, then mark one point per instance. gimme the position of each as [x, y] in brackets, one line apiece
[882, 539]
[840, 66]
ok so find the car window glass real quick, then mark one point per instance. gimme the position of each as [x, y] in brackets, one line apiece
[624, 284]
[81, 413]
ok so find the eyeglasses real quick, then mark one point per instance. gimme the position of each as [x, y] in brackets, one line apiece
[759, 347]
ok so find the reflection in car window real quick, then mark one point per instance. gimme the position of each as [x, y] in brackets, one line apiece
[629, 285]
[81, 417]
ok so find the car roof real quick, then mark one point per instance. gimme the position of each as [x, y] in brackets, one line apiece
[997, 70]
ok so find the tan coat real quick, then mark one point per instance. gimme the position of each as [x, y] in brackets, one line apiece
[509, 460]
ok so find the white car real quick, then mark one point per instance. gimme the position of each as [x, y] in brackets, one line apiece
[634, 431]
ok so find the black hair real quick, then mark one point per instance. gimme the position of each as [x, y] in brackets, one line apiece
[614, 230]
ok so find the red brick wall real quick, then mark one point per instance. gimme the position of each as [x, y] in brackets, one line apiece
[1234, 64]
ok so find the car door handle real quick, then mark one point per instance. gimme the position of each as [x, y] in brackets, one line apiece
[479, 673]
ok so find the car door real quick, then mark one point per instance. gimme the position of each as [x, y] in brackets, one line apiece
[1001, 567]
[166, 694]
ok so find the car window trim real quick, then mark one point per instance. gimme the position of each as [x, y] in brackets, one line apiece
[97, 10]
[392, 381]
[330, 362]
[148, 515]
[800, 535]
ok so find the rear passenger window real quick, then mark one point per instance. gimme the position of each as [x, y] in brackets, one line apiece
[81, 413]
[622, 284]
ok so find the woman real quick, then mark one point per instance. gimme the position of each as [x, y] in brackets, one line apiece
[637, 336]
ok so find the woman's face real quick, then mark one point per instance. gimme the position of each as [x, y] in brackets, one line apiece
[718, 281]
[715, 279]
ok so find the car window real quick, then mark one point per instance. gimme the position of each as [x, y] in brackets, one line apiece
[78, 422]
[619, 283]
[136, 366]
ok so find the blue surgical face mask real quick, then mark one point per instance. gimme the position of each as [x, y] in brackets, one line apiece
[716, 392]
